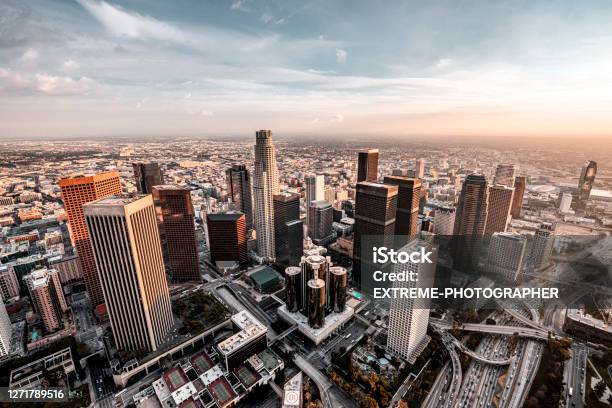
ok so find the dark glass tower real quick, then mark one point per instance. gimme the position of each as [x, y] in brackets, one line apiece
[147, 175]
[470, 222]
[239, 190]
[288, 229]
[375, 210]
[175, 219]
[585, 184]
[407, 216]
[367, 165]
[227, 237]
[520, 183]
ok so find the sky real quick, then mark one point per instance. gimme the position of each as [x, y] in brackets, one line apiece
[71, 68]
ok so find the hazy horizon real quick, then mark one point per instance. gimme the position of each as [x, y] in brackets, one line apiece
[129, 68]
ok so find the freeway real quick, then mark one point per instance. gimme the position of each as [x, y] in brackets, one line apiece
[494, 329]
[575, 376]
[438, 389]
[331, 396]
[457, 375]
[480, 357]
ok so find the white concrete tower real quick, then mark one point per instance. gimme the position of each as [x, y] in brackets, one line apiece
[265, 185]
[408, 318]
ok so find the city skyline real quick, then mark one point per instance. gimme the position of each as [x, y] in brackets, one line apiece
[420, 69]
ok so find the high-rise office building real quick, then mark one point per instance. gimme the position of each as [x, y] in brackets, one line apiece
[227, 237]
[367, 165]
[316, 302]
[520, 183]
[470, 222]
[407, 216]
[419, 171]
[541, 247]
[147, 175]
[444, 221]
[265, 185]
[315, 191]
[239, 190]
[313, 265]
[585, 184]
[175, 219]
[76, 191]
[375, 211]
[338, 284]
[498, 210]
[321, 216]
[130, 263]
[507, 253]
[293, 288]
[288, 229]
[504, 175]
[6, 331]
[9, 286]
[47, 297]
[565, 206]
[409, 317]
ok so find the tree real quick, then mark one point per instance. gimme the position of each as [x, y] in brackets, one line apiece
[599, 389]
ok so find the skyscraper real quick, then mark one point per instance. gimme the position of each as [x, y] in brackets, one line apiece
[507, 252]
[313, 266]
[47, 297]
[321, 216]
[520, 183]
[227, 237]
[541, 247]
[315, 191]
[498, 211]
[9, 286]
[565, 206]
[147, 175]
[338, 283]
[504, 175]
[407, 216]
[419, 171]
[375, 210]
[444, 220]
[239, 190]
[76, 191]
[409, 317]
[129, 258]
[6, 331]
[288, 229]
[585, 184]
[265, 185]
[470, 222]
[175, 219]
[367, 165]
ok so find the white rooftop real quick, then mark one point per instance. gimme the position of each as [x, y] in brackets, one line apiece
[251, 328]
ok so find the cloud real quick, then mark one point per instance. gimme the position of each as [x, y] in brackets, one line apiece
[443, 63]
[122, 23]
[29, 55]
[266, 18]
[43, 83]
[70, 65]
[200, 112]
[239, 5]
[341, 56]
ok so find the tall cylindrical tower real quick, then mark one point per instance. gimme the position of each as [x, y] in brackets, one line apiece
[316, 303]
[337, 289]
[293, 288]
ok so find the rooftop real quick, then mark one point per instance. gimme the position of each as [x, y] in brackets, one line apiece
[117, 200]
[250, 327]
